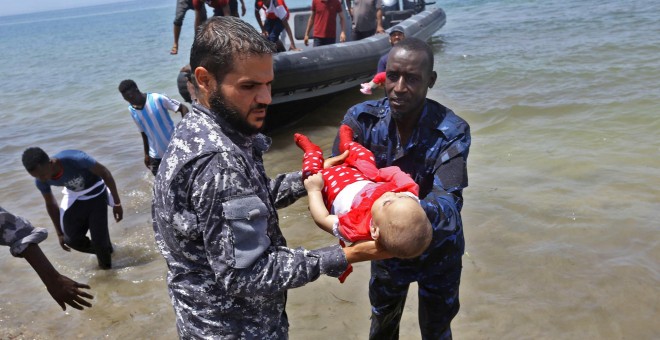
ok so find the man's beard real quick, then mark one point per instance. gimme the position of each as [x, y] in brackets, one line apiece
[232, 114]
[397, 115]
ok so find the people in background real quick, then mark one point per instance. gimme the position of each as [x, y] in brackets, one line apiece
[88, 189]
[397, 33]
[150, 112]
[367, 18]
[182, 6]
[275, 21]
[324, 19]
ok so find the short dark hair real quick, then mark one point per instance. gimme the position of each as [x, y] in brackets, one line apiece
[126, 85]
[220, 39]
[414, 44]
[33, 157]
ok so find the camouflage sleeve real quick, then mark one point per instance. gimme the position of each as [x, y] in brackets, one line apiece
[17, 232]
[287, 188]
[235, 223]
[281, 268]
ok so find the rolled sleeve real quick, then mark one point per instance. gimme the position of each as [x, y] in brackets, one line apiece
[18, 233]
[332, 260]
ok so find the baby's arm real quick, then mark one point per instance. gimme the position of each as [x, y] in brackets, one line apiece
[320, 214]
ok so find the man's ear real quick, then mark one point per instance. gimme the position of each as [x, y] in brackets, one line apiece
[434, 77]
[205, 83]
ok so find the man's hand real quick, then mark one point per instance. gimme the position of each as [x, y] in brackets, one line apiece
[146, 161]
[306, 40]
[117, 212]
[342, 37]
[314, 182]
[365, 251]
[332, 161]
[62, 243]
[66, 292]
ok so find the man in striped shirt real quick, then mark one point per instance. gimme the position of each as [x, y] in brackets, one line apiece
[150, 113]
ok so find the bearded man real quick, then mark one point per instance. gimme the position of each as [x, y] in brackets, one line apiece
[214, 208]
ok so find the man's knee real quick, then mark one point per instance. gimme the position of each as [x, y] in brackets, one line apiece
[80, 243]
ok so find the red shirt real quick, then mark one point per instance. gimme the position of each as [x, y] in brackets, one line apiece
[325, 18]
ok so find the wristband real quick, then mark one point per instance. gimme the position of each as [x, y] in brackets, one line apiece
[117, 205]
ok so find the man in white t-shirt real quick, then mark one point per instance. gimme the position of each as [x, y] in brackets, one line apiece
[150, 111]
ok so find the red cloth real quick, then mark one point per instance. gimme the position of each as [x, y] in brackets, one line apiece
[379, 78]
[325, 18]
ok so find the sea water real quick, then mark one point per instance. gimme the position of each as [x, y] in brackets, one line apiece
[561, 216]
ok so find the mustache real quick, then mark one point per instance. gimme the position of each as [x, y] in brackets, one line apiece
[259, 106]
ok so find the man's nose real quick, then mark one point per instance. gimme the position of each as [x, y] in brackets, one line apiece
[400, 84]
[263, 96]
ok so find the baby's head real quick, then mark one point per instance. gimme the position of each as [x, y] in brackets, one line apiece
[400, 224]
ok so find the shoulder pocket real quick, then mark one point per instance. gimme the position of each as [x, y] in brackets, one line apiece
[248, 221]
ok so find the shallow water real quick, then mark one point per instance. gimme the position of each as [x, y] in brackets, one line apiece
[561, 215]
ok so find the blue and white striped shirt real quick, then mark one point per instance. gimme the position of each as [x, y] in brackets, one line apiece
[155, 122]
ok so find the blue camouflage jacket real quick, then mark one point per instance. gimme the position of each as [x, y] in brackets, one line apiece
[216, 224]
[435, 157]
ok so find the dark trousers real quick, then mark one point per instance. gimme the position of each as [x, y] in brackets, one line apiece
[324, 41]
[233, 9]
[89, 215]
[358, 35]
[274, 27]
[438, 298]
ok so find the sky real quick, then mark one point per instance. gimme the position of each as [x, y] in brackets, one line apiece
[30, 6]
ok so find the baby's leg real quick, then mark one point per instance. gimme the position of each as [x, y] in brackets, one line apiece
[313, 158]
[345, 137]
[357, 151]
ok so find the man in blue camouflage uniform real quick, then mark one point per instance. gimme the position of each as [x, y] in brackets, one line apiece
[431, 143]
[22, 239]
[214, 208]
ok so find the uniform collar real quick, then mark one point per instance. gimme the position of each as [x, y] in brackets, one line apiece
[259, 141]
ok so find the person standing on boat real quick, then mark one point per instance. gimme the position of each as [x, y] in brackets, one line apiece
[233, 9]
[276, 20]
[324, 18]
[367, 18]
[215, 209]
[23, 241]
[150, 113]
[182, 6]
[88, 188]
[431, 143]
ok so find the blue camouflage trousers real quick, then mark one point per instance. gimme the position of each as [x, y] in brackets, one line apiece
[438, 296]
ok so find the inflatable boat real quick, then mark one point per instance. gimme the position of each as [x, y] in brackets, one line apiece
[307, 78]
[304, 79]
